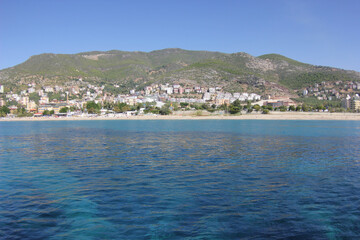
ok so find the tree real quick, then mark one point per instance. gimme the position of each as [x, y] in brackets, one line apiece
[223, 107]
[22, 110]
[175, 106]
[34, 97]
[236, 103]
[64, 110]
[320, 107]
[92, 107]
[4, 110]
[52, 112]
[165, 110]
[269, 107]
[150, 107]
[233, 109]
[204, 106]
[256, 107]
[265, 111]
[155, 110]
[248, 105]
[183, 104]
[108, 105]
[305, 108]
[282, 109]
[292, 108]
[46, 113]
[121, 107]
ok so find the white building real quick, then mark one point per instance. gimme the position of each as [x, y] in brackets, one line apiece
[254, 96]
[169, 90]
[48, 89]
[207, 96]
[228, 96]
[24, 100]
[31, 90]
[44, 99]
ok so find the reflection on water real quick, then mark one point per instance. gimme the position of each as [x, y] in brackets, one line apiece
[105, 180]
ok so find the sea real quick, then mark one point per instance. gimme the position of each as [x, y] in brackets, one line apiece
[180, 179]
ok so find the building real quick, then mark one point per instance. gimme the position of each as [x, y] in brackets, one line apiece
[48, 89]
[31, 105]
[2, 102]
[197, 89]
[219, 101]
[31, 90]
[345, 103]
[131, 100]
[13, 109]
[148, 90]
[207, 96]
[355, 105]
[44, 99]
[24, 100]
[169, 90]
[51, 106]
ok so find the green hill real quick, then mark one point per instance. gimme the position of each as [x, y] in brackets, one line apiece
[265, 74]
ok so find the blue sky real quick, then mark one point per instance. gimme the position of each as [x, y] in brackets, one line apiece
[313, 31]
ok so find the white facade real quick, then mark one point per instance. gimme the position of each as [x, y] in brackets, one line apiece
[207, 96]
[169, 90]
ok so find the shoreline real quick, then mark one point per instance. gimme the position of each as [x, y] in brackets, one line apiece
[251, 116]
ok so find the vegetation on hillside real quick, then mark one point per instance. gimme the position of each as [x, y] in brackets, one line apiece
[233, 72]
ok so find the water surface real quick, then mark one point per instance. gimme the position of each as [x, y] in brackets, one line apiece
[180, 179]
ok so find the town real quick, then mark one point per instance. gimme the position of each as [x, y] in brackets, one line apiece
[85, 99]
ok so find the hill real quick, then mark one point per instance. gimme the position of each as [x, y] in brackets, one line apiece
[266, 74]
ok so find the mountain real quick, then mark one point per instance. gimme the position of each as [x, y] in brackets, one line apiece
[266, 74]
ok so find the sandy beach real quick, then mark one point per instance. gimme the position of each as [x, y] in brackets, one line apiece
[185, 116]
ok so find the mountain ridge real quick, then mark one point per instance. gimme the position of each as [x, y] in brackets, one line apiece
[265, 74]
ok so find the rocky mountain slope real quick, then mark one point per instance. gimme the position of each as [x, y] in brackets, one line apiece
[266, 74]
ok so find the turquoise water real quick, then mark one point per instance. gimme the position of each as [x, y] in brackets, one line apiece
[211, 179]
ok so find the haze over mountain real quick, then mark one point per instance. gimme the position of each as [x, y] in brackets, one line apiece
[266, 74]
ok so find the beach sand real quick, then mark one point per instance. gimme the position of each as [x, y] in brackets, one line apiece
[187, 116]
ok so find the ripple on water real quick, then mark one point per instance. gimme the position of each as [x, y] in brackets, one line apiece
[101, 181]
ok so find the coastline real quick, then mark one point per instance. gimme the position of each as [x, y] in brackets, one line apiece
[247, 116]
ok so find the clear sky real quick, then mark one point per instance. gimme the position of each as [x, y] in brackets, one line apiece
[320, 32]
